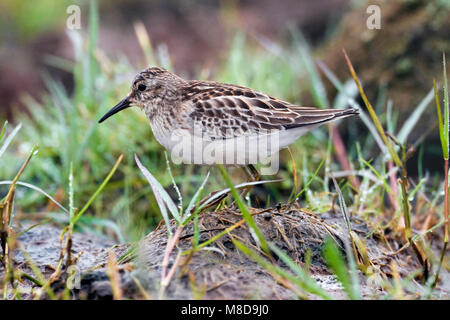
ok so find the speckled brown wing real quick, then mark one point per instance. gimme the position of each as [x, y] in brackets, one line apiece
[224, 111]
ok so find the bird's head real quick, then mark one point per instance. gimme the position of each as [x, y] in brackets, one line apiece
[149, 86]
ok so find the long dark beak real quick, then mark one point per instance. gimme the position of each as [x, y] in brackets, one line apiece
[125, 103]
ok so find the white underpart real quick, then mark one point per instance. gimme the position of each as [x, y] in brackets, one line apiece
[190, 147]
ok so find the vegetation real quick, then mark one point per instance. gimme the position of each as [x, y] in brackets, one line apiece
[75, 162]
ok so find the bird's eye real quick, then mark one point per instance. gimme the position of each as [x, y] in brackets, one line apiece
[142, 87]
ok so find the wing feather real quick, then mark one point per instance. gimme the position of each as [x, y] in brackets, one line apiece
[225, 111]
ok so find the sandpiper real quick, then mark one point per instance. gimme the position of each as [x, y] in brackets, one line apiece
[207, 122]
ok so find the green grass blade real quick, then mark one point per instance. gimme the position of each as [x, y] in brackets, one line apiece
[380, 177]
[237, 187]
[33, 187]
[217, 236]
[309, 284]
[93, 37]
[316, 85]
[196, 230]
[446, 112]
[161, 196]
[247, 216]
[71, 196]
[417, 188]
[37, 272]
[373, 114]
[274, 269]
[350, 93]
[177, 190]
[34, 226]
[194, 199]
[165, 196]
[439, 113]
[412, 120]
[9, 138]
[99, 189]
[2, 132]
[337, 264]
[92, 221]
[311, 179]
[355, 289]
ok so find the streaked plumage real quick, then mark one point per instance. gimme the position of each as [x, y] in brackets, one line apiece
[220, 114]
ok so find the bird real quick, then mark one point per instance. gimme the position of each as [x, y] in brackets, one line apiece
[209, 123]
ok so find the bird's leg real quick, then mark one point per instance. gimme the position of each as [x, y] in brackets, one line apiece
[255, 173]
[253, 176]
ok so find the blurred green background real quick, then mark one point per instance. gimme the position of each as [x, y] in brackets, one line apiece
[58, 82]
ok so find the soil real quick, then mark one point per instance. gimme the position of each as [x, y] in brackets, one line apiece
[221, 272]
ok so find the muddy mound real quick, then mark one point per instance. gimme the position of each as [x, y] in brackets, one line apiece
[219, 270]
[223, 272]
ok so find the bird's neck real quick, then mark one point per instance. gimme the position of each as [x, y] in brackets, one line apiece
[163, 112]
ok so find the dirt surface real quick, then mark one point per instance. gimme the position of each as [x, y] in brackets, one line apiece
[43, 246]
[220, 271]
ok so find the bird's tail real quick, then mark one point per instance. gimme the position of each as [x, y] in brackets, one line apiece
[314, 116]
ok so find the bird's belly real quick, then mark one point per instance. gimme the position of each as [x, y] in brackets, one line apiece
[184, 147]
[187, 148]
